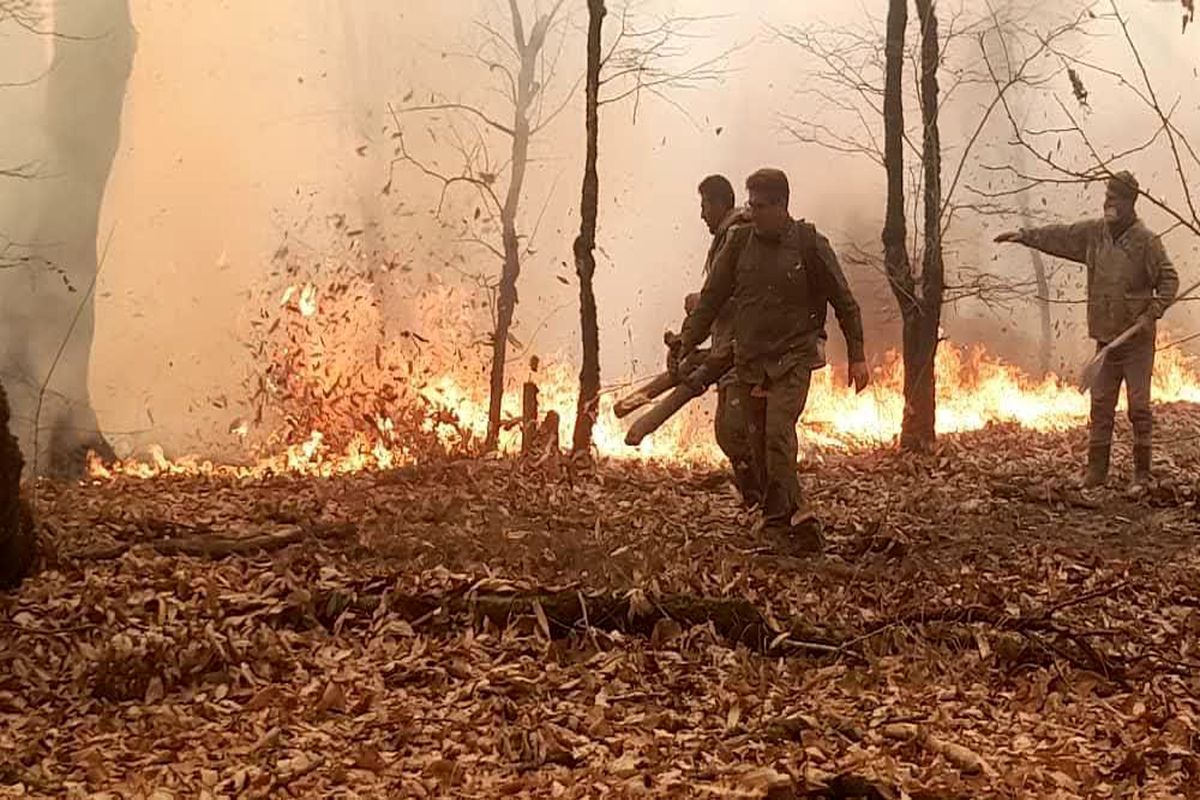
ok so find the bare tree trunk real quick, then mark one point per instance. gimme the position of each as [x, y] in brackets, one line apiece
[85, 93]
[922, 331]
[585, 243]
[506, 301]
[895, 228]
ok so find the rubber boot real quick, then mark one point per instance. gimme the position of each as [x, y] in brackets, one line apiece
[1097, 467]
[1142, 456]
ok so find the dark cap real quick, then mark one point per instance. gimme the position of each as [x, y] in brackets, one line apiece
[1124, 184]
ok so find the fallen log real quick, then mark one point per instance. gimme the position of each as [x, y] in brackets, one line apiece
[1039, 628]
[733, 619]
[563, 612]
[223, 546]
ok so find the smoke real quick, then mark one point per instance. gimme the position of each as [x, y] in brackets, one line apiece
[274, 119]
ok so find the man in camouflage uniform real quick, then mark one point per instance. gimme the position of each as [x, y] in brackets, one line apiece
[778, 273]
[1129, 280]
[720, 213]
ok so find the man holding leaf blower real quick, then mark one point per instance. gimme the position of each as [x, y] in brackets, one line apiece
[1130, 283]
[779, 273]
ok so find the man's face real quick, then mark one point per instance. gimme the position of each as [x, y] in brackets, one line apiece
[1118, 207]
[769, 218]
[712, 213]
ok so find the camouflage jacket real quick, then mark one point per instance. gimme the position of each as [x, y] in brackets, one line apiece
[778, 290]
[1126, 278]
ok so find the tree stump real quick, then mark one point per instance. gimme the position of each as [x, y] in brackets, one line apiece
[529, 409]
[18, 538]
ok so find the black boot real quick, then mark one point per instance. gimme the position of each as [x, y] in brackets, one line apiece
[1142, 456]
[1097, 468]
[802, 536]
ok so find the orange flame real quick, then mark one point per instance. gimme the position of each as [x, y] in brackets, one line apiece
[348, 395]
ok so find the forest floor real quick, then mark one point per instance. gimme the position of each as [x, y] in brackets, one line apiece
[976, 628]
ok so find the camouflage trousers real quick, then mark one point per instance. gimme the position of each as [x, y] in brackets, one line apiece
[733, 437]
[772, 411]
[1132, 364]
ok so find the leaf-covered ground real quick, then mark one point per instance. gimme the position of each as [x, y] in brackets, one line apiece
[976, 628]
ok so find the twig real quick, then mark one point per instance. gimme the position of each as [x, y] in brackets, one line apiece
[587, 625]
[819, 647]
[1084, 598]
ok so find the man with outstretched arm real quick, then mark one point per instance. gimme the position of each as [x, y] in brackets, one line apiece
[778, 273]
[1130, 280]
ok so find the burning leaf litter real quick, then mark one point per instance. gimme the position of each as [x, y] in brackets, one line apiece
[337, 391]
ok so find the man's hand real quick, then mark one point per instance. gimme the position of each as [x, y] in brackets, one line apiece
[1010, 236]
[860, 376]
[675, 353]
[690, 302]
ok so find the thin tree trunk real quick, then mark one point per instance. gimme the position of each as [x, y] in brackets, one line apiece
[85, 94]
[506, 301]
[918, 427]
[895, 228]
[585, 243]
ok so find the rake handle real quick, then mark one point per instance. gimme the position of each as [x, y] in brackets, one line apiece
[1094, 362]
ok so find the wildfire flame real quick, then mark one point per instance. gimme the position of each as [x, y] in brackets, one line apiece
[351, 396]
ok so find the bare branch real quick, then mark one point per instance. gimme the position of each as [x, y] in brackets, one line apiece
[1154, 104]
[472, 110]
[482, 183]
[518, 26]
[644, 60]
[22, 172]
[1056, 172]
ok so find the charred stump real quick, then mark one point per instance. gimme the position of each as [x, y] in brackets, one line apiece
[18, 539]
[529, 409]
